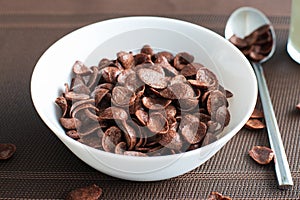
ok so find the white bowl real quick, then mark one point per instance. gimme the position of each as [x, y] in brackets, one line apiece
[105, 39]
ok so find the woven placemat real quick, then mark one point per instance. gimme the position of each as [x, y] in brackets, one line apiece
[43, 168]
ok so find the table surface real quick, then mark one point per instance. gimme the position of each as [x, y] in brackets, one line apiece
[43, 168]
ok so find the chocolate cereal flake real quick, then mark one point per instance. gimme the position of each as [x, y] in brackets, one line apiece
[217, 196]
[81, 69]
[7, 151]
[257, 114]
[92, 192]
[152, 78]
[261, 154]
[111, 138]
[298, 106]
[254, 124]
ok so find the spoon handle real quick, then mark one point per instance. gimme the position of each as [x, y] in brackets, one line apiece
[282, 169]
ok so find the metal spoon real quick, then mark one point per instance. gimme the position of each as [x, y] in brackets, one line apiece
[242, 22]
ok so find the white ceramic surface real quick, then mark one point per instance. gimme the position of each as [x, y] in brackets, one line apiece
[105, 39]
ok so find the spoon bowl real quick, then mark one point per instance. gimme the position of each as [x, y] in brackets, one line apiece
[242, 23]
